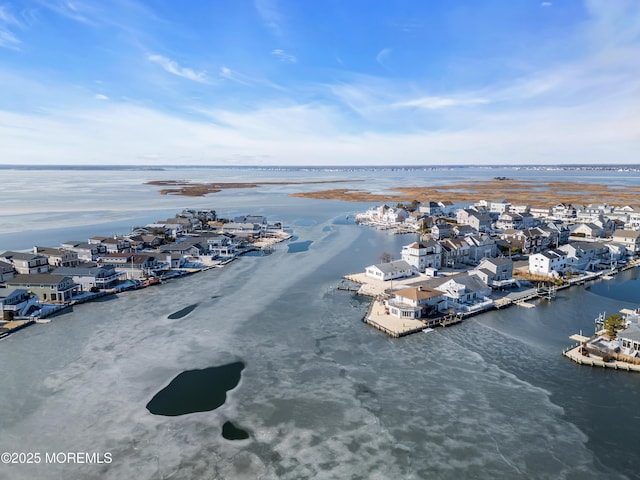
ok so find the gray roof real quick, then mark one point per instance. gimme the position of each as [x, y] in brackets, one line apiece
[393, 267]
[19, 255]
[36, 279]
[499, 261]
[630, 333]
[81, 271]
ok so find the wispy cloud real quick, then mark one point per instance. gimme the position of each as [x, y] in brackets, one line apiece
[271, 15]
[8, 21]
[173, 67]
[284, 56]
[383, 56]
[435, 103]
[100, 96]
[77, 10]
[546, 4]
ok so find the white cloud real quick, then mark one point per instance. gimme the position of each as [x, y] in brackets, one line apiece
[8, 39]
[271, 15]
[173, 67]
[100, 96]
[383, 56]
[435, 103]
[546, 4]
[284, 56]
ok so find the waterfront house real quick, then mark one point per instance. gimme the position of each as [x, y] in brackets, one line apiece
[26, 263]
[173, 230]
[13, 302]
[629, 238]
[48, 288]
[495, 272]
[57, 257]
[88, 252]
[460, 289]
[6, 271]
[550, 263]
[243, 230]
[221, 245]
[584, 256]
[423, 254]
[390, 270]
[89, 277]
[132, 264]
[629, 340]
[416, 302]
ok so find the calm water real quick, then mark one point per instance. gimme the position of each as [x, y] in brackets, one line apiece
[322, 394]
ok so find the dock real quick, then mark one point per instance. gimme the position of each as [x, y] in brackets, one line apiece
[575, 354]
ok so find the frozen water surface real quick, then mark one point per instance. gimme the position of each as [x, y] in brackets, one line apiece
[322, 394]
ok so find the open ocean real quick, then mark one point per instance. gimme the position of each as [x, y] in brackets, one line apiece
[321, 394]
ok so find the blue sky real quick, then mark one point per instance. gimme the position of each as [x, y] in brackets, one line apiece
[326, 82]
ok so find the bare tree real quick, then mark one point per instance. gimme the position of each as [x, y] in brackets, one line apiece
[385, 257]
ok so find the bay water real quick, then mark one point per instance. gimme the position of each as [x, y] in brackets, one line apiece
[321, 394]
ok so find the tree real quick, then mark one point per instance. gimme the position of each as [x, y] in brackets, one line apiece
[385, 257]
[613, 324]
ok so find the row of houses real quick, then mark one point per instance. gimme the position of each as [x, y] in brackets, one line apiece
[57, 274]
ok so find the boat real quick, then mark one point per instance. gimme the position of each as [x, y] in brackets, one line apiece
[427, 330]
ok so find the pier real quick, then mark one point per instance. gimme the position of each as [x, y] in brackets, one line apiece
[575, 354]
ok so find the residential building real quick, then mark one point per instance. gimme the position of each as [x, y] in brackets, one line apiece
[103, 277]
[495, 272]
[88, 252]
[416, 302]
[48, 288]
[481, 222]
[629, 238]
[57, 257]
[550, 263]
[132, 264]
[390, 270]
[26, 263]
[423, 254]
[6, 271]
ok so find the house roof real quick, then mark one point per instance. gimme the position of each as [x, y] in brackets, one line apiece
[81, 271]
[626, 233]
[630, 333]
[36, 279]
[418, 293]
[20, 256]
[393, 267]
[498, 261]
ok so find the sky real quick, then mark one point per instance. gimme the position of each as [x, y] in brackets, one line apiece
[319, 82]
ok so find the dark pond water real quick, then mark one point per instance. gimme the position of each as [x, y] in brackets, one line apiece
[183, 313]
[299, 246]
[196, 390]
[232, 432]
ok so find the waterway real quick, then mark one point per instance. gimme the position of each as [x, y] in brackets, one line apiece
[321, 395]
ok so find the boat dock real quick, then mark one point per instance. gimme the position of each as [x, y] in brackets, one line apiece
[575, 354]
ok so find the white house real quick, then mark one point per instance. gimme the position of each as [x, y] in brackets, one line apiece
[416, 302]
[390, 270]
[549, 263]
[629, 238]
[423, 254]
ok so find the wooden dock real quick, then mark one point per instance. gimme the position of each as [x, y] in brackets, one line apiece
[574, 353]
